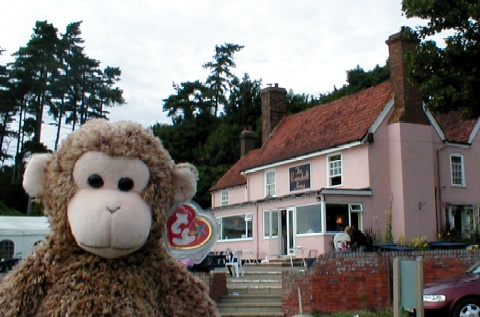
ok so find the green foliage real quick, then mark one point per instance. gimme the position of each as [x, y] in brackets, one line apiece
[190, 99]
[244, 107]
[6, 211]
[300, 102]
[52, 72]
[220, 79]
[446, 233]
[357, 80]
[420, 243]
[12, 193]
[209, 140]
[371, 236]
[448, 77]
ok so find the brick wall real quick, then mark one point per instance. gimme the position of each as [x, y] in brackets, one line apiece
[351, 281]
[216, 282]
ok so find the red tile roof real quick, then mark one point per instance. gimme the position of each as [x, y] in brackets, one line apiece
[325, 126]
[455, 129]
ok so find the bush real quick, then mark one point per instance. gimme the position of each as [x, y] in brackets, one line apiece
[5, 211]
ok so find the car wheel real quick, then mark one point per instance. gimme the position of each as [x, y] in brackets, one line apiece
[468, 307]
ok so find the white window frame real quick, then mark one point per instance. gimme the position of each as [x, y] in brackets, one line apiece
[457, 170]
[320, 231]
[353, 208]
[266, 220]
[247, 219]
[335, 169]
[270, 183]
[224, 197]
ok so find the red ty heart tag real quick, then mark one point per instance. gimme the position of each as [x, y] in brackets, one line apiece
[191, 232]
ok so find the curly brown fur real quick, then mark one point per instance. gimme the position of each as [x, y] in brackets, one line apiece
[62, 279]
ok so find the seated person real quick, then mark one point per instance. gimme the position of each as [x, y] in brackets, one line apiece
[358, 241]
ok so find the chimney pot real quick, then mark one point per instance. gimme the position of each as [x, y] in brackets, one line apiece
[248, 141]
[408, 99]
[274, 108]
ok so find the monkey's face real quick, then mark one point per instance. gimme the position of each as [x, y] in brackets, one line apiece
[107, 215]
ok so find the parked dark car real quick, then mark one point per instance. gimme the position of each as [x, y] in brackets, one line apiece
[456, 296]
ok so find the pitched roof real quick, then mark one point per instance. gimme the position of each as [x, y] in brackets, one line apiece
[326, 126]
[454, 127]
[322, 127]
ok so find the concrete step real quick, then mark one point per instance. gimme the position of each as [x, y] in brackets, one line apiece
[249, 308]
[256, 291]
[237, 298]
[254, 285]
[254, 281]
[253, 314]
[258, 276]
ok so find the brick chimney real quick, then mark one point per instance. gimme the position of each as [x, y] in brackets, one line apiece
[274, 106]
[248, 141]
[408, 99]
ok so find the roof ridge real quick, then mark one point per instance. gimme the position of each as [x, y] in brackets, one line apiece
[320, 127]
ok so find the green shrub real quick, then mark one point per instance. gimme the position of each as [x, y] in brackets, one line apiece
[5, 211]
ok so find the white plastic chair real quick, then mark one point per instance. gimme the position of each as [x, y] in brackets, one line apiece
[235, 263]
[292, 253]
[340, 241]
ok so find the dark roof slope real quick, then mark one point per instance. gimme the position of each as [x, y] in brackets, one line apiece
[325, 126]
[455, 129]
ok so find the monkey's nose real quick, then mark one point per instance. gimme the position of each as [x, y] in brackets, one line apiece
[113, 209]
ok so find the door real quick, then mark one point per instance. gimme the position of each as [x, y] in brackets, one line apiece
[286, 234]
[272, 220]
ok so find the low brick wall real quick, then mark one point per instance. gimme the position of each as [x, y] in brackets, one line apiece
[216, 282]
[351, 281]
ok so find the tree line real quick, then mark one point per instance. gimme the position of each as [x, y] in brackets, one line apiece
[51, 80]
[53, 75]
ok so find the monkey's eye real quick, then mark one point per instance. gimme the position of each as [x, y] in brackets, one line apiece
[125, 184]
[95, 181]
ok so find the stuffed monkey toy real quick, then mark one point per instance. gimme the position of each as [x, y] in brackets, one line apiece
[108, 192]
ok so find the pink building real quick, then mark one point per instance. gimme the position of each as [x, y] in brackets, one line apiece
[348, 162]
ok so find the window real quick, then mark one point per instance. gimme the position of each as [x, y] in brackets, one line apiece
[266, 223]
[6, 249]
[462, 219]
[309, 219]
[224, 197]
[236, 227]
[335, 170]
[270, 183]
[340, 216]
[457, 170]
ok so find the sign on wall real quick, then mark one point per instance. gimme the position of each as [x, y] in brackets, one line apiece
[299, 177]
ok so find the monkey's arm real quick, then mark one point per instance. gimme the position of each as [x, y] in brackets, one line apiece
[23, 288]
[187, 296]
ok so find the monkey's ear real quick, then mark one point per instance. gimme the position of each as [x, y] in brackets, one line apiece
[185, 177]
[34, 173]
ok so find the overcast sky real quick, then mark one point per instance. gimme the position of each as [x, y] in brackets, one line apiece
[303, 45]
